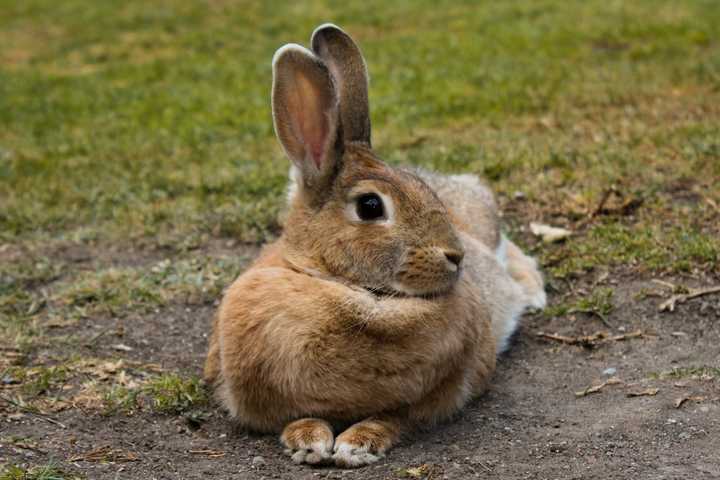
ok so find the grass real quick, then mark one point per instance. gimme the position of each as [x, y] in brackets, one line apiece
[643, 245]
[110, 291]
[103, 386]
[598, 303]
[42, 472]
[168, 394]
[155, 122]
[694, 372]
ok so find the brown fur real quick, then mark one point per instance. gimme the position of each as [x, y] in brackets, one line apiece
[343, 320]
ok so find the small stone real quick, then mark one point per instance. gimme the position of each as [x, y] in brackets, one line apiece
[610, 371]
[258, 460]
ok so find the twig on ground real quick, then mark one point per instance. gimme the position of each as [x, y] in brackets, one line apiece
[680, 401]
[27, 446]
[590, 341]
[669, 304]
[208, 453]
[106, 454]
[597, 388]
[648, 392]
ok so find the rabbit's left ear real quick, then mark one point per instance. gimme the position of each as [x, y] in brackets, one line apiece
[305, 114]
[349, 72]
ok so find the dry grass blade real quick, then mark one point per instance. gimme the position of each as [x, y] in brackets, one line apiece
[208, 453]
[712, 203]
[680, 401]
[106, 454]
[648, 392]
[627, 336]
[426, 470]
[597, 388]
[28, 446]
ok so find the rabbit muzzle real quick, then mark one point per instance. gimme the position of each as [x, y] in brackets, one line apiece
[428, 270]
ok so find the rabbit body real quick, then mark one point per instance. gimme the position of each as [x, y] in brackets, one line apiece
[387, 297]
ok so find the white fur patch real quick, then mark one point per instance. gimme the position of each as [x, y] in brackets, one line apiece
[313, 454]
[510, 323]
[539, 300]
[295, 177]
[501, 252]
[352, 456]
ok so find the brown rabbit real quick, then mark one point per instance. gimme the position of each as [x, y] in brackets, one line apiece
[384, 303]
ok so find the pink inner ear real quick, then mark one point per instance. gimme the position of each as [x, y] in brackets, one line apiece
[315, 135]
[312, 120]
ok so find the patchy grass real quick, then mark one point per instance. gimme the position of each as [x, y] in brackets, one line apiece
[167, 394]
[44, 472]
[146, 288]
[114, 291]
[676, 373]
[102, 385]
[172, 394]
[598, 303]
[643, 246]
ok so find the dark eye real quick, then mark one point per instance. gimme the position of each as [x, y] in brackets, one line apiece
[370, 207]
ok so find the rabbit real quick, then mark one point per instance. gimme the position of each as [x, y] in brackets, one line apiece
[387, 298]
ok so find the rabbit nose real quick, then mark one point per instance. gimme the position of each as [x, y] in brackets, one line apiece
[454, 256]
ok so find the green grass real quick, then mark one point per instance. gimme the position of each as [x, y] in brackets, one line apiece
[598, 303]
[168, 394]
[103, 386]
[644, 245]
[121, 121]
[695, 372]
[41, 472]
[111, 291]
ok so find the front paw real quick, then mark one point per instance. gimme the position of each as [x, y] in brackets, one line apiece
[364, 443]
[349, 455]
[309, 440]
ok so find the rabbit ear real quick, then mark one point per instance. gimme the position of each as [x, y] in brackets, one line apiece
[348, 69]
[305, 112]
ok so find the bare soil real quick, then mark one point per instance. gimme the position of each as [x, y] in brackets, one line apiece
[530, 424]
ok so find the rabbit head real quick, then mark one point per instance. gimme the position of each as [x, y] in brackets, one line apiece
[351, 215]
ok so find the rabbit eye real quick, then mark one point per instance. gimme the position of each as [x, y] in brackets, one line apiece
[370, 207]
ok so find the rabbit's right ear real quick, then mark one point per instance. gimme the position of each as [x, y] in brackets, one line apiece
[305, 114]
[347, 66]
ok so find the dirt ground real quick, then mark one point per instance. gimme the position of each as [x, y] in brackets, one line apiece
[531, 423]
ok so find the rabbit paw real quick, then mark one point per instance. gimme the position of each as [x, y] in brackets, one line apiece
[309, 440]
[363, 443]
